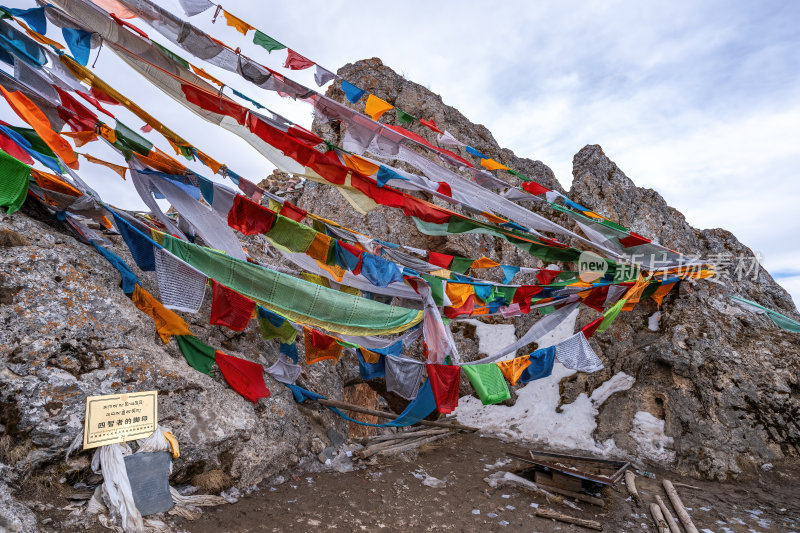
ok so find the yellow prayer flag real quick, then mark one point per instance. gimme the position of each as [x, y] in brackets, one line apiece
[376, 107]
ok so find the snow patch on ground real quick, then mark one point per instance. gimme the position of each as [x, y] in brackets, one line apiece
[492, 337]
[651, 442]
[534, 416]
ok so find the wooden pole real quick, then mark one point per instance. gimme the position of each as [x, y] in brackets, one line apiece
[548, 513]
[658, 518]
[680, 510]
[411, 445]
[673, 527]
[574, 495]
[630, 484]
[400, 435]
[390, 416]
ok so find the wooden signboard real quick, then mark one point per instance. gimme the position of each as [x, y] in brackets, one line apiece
[115, 418]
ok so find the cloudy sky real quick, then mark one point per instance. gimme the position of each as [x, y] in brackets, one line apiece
[698, 100]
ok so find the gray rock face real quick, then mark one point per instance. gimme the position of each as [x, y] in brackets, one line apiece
[724, 381]
[68, 332]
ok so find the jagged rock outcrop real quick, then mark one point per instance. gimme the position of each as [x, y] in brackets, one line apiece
[724, 381]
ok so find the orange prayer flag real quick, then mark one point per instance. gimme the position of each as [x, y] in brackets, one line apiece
[108, 134]
[80, 137]
[167, 322]
[336, 271]
[203, 74]
[27, 111]
[161, 161]
[484, 262]
[119, 169]
[491, 164]
[240, 25]
[512, 369]
[494, 218]
[318, 249]
[661, 292]
[376, 107]
[360, 165]
[51, 182]
[210, 162]
[459, 293]
[38, 36]
[319, 346]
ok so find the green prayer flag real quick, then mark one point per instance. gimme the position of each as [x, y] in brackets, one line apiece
[782, 321]
[198, 354]
[270, 44]
[437, 288]
[403, 117]
[285, 332]
[296, 299]
[291, 235]
[520, 176]
[14, 178]
[488, 381]
[611, 314]
[461, 264]
[129, 141]
[614, 225]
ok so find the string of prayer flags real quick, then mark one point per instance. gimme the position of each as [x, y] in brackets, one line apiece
[488, 382]
[229, 308]
[235, 22]
[319, 346]
[27, 111]
[267, 42]
[295, 61]
[245, 377]
[375, 107]
[445, 380]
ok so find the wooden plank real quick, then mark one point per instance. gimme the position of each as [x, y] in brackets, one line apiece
[549, 513]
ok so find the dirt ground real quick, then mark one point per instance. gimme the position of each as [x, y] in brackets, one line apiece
[387, 496]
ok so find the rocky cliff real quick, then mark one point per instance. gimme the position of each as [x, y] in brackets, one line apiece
[724, 381]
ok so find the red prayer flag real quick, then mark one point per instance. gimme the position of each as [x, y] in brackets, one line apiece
[534, 188]
[633, 240]
[13, 149]
[295, 61]
[445, 380]
[589, 329]
[214, 102]
[245, 377]
[597, 298]
[440, 260]
[523, 295]
[249, 217]
[545, 277]
[102, 96]
[431, 124]
[466, 309]
[95, 102]
[229, 308]
[444, 188]
[289, 210]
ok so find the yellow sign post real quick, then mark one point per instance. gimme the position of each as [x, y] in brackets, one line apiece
[117, 418]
